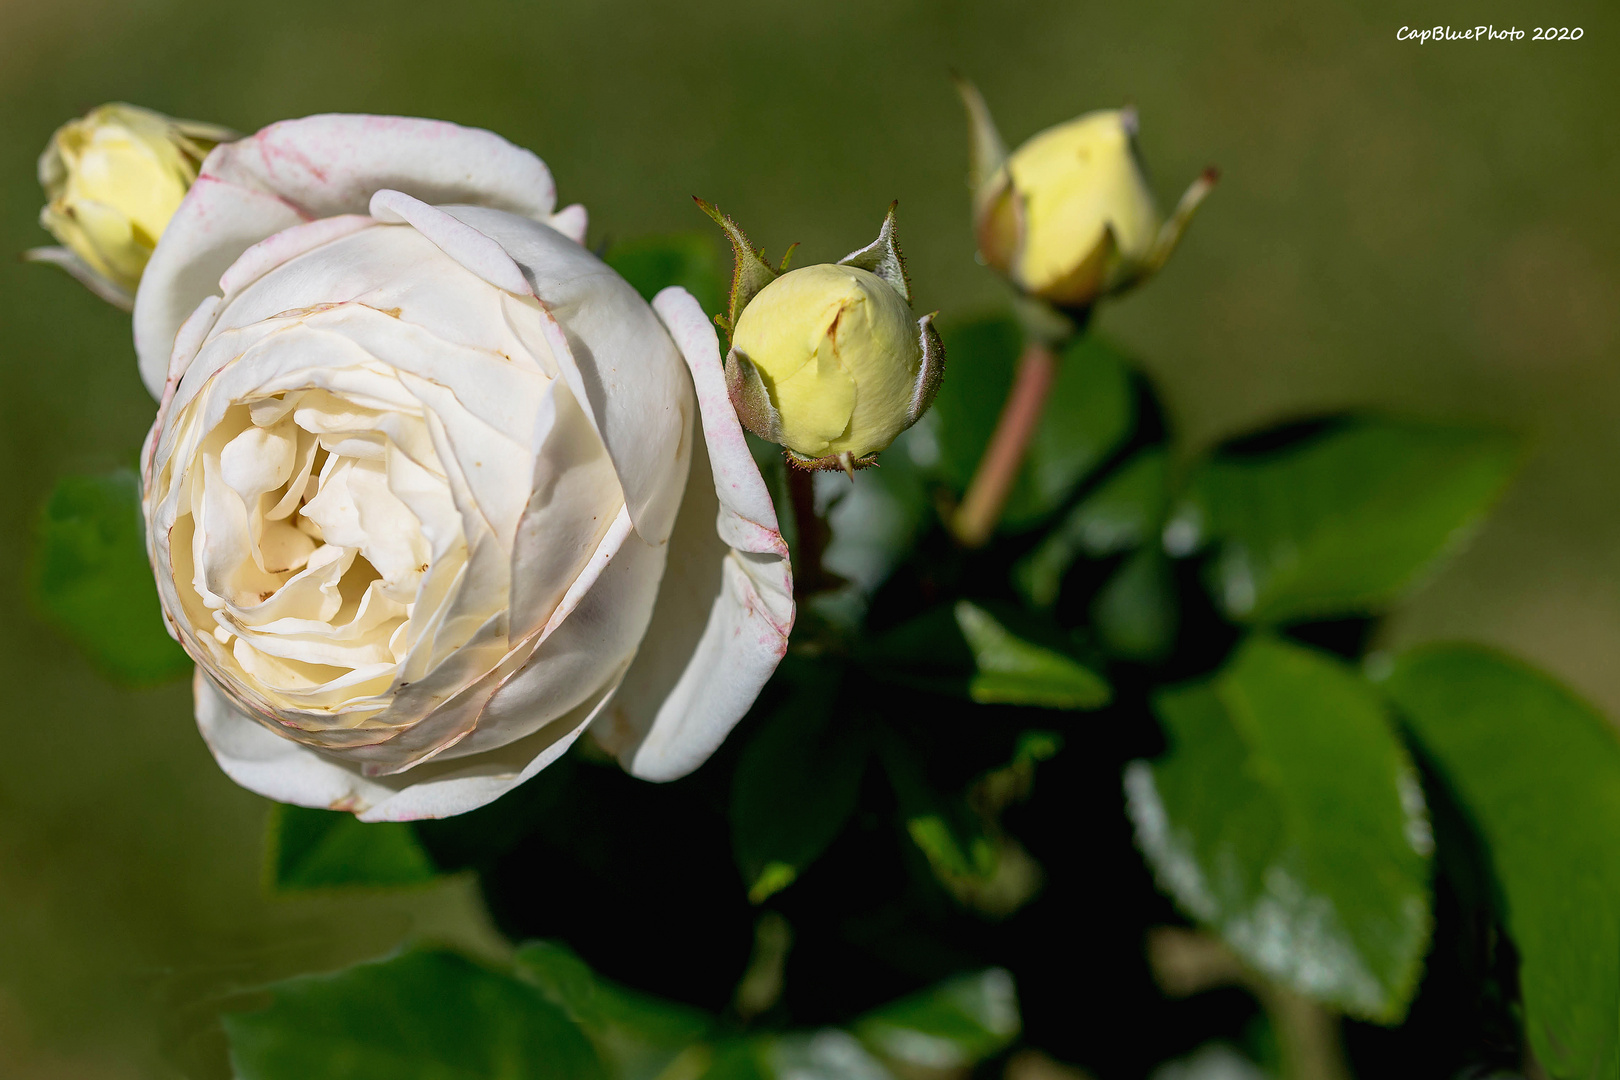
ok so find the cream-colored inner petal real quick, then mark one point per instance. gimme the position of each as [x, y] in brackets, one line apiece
[319, 522]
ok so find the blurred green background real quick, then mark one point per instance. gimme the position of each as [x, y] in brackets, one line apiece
[1430, 229]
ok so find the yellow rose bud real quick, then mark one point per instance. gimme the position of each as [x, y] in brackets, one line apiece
[114, 177]
[827, 360]
[839, 353]
[1069, 216]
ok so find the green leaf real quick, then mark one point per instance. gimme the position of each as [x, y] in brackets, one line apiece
[1012, 671]
[1342, 524]
[1136, 611]
[795, 785]
[93, 580]
[1089, 413]
[1538, 771]
[1287, 817]
[638, 1034]
[423, 1015]
[954, 1025]
[652, 263]
[953, 849]
[1126, 511]
[948, 834]
[827, 1054]
[318, 849]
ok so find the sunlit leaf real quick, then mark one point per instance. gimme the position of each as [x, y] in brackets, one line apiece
[423, 1015]
[1013, 671]
[1538, 770]
[93, 580]
[828, 1054]
[1088, 414]
[954, 1025]
[637, 1034]
[689, 260]
[317, 849]
[795, 784]
[1341, 524]
[1287, 818]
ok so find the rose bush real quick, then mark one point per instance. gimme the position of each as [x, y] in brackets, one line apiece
[430, 491]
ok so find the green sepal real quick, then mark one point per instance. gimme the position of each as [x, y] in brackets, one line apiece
[986, 152]
[882, 257]
[931, 372]
[750, 398]
[751, 273]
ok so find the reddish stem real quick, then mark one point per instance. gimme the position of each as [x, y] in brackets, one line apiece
[808, 576]
[975, 519]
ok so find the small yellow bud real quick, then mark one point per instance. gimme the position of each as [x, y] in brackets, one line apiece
[114, 177]
[827, 360]
[839, 354]
[1069, 216]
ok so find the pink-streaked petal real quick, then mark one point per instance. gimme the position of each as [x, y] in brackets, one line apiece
[278, 248]
[749, 523]
[317, 167]
[725, 607]
[188, 341]
[466, 245]
[280, 769]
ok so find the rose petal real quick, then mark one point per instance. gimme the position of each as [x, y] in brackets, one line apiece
[280, 769]
[616, 359]
[317, 167]
[725, 607]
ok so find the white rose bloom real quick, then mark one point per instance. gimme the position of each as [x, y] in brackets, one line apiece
[430, 492]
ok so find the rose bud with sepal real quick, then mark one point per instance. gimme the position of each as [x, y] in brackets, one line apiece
[828, 360]
[114, 177]
[1069, 217]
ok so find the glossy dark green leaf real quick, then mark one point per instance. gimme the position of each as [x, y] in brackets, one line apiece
[1013, 671]
[796, 784]
[1287, 818]
[1341, 524]
[954, 1025]
[1088, 414]
[1136, 611]
[423, 1015]
[1126, 511]
[689, 260]
[637, 1034]
[319, 849]
[948, 834]
[926, 652]
[93, 580]
[1538, 770]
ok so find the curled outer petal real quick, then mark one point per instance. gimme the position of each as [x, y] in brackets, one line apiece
[317, 167]
[725, 608]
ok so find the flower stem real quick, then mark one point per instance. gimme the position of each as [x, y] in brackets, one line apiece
[1187, 962]
[813, 533]
[1307, 1035]
[975, 519]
